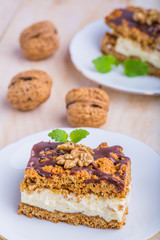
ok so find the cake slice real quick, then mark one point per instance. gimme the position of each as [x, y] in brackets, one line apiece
[135, 34]
[71, 183]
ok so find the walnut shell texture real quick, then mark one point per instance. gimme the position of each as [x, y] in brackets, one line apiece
[87, 107]
[39, 41]
[29, 89]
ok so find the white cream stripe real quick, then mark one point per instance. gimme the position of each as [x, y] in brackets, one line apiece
[90, 205]
[129, 47]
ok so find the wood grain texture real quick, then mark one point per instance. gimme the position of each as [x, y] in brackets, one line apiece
[136, 116]
[8, 10]
[133, 115]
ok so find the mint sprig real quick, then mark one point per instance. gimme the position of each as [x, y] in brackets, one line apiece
[104, 63]
[75, 136]
[134, 68]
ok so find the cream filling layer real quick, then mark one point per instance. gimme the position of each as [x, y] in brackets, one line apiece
[132, 48]
[90, 204]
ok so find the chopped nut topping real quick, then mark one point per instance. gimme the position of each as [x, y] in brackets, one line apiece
[66, 146]
[77, 154]
[146, 16]
[120, 207]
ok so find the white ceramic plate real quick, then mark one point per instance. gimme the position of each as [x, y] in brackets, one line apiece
[85, 46]
[144, 208]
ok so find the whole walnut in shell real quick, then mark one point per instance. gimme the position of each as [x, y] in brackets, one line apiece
[87, 107]
[39, 41]
[29, 89]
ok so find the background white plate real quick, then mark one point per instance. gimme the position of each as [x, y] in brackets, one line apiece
[85, 46]
[142, 221]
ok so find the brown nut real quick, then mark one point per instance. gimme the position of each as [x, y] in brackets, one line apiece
[29, 89]
[39, 41]
[87, 107]
[148, 17]
[78, 154]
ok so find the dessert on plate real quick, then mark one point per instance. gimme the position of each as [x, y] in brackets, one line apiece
[135, 33]
[72, 183]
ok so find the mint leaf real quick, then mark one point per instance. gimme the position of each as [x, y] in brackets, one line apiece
[58, 135]
[61, 136]
[77, 135]
[103, 64]
[134, 68]
[116, 63]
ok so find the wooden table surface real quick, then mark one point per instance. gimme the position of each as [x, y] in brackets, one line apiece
[133, 115]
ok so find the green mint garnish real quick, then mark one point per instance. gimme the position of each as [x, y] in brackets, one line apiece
[116, 63]
[134, 68]
[75, 136]
[58, 135]
[103, 64]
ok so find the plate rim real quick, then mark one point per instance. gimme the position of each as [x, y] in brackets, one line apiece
[146, 93]
[103, 130]
[87, 128]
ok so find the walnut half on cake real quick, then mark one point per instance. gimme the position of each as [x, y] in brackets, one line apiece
[71, 183]
[135, 34]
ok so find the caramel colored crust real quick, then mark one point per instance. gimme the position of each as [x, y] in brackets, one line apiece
[70, 218]
[82, 181]
[74, 183]
[131, 29]
[108, 44]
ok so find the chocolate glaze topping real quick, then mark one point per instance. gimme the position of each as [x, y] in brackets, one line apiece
[36, 162]
[36, 157]
[153, 30]
[94, 170]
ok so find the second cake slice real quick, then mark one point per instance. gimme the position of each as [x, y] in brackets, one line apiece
[135, 34]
